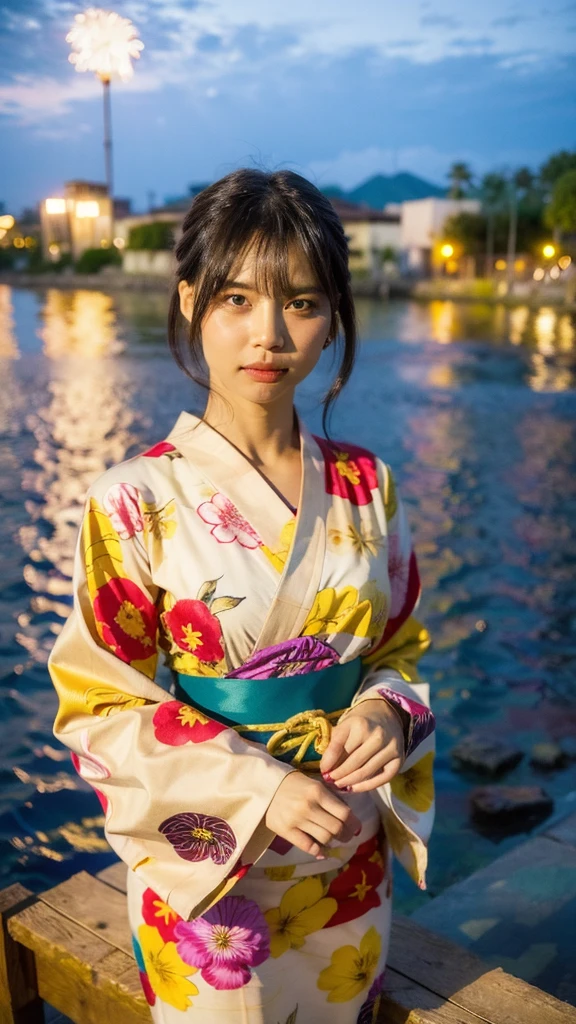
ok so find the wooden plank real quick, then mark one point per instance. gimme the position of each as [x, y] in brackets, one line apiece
[79, 973]
[563, 831]
[406, 1002]
[454, 973]
[115, 875]
[19, 999]
[94, 905]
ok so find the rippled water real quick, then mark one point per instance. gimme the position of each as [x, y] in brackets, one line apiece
[473, 405]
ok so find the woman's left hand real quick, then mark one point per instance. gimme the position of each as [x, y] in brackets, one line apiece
[366, 748]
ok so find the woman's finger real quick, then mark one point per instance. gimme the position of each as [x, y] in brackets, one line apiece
[302, 841]
[373, 744]
[338, 748]
[371, 766]
[388, 772]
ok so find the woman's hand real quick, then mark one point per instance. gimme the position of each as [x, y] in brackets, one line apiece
[306, 814]
[366, 748]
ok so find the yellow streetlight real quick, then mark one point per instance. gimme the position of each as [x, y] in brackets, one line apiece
[55, 206]
[548, 251]
[564, 262]
[105, 43]
[447, 250]
[6, 221]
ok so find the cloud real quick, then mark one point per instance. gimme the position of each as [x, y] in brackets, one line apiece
[440, 21]
[509, 20]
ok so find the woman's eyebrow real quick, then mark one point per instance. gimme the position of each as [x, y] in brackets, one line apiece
[293, 290]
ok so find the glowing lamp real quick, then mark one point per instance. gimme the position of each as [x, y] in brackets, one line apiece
[19, 242]
[548, 251]
[500, 264]
[447, 251]
[538, 274]
[7, 222]
[555, 273]
[55, 206]
[87, 208]
[119, 242]
[564, 262]
[54, 249]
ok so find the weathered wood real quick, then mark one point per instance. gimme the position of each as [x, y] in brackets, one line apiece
[94, 905]
[79, 973]
[458, 975]
[115, 875]
[19, 999]
[406, 1002]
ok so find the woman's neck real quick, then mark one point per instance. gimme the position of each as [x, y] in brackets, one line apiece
[263, 433]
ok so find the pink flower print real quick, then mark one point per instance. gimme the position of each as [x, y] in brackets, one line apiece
[176, 723]
[227, 523]
[122, 505]
[199, 837]
[90, 768]
[162, 448]
[399, 574]
[225, 942]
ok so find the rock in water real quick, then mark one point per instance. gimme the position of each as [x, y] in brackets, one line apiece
[507, 807]
[485, 754]
[547, 755]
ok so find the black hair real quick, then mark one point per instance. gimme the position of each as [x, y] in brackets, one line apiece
[270, 210]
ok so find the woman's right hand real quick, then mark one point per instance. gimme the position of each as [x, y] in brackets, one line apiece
[306, 814]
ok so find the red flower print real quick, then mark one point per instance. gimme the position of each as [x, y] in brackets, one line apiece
[157, 913]
[195, 629]
[350, 471]
[122, 505]
[127, 618]
[147, 988]
[199, 837]
[176, 723]
[240, 870]
[159, 449]
[227, 523]
[355, 886]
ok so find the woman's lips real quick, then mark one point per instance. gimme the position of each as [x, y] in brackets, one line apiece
[265, 376]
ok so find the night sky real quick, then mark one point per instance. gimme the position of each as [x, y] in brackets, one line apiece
[335, 90]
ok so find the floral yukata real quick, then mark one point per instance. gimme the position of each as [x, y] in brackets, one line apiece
[187, 552]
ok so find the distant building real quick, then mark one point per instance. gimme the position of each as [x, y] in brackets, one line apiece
[373, 235]
[421, 231]
[80, 220]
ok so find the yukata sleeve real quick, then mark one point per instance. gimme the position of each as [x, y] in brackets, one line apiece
[391, 673]
[184, 796]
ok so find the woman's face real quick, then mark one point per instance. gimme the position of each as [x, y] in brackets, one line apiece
[259, 347]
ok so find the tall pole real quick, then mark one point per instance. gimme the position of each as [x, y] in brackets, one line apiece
[108, 150]
[511, 254]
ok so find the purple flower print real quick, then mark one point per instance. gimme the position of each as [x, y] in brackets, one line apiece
[199, 836]
[369, 1008]
[225, 942]
[289, 658]
[422, 719]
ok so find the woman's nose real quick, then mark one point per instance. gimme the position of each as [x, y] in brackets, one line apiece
[268, 324]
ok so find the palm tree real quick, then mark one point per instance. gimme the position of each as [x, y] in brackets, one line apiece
[459, 175]
[492, 193]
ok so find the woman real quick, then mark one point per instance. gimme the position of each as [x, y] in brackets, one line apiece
[256, 806]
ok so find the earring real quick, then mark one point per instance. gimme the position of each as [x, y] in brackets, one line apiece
[327, 343]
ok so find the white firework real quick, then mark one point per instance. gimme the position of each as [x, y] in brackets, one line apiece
[104, 42]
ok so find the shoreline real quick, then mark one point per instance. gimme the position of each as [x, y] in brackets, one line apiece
[417, 291]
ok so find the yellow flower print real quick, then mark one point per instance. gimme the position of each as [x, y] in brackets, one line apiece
[99, 700]
[415, 786]
[390, 496]
[351, 969]
[360, 541]
[338, 611]
[190, 665]
[347, 467]
[303, 909]
[167, 973]
[158, 527]
[278, 556]
[103, 552]
[371, 592]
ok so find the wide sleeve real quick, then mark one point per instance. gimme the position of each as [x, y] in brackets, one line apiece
[391, 673]
[184, 796]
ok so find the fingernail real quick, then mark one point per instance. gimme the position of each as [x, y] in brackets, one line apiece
[358, 831]
[320, 856]
[345, 789]
[327, 777]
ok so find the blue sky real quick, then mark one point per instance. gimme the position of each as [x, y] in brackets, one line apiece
[336, 90]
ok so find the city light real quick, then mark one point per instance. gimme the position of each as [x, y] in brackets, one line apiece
[447, 251]
[6, 222]
[564, 262]
[555, 273]
[55, 206]
[119, 242]
[18, 242]
[105, 43]
[54, 248]
[538, 274]
[500, 265]
[548, 251]
[87, 208]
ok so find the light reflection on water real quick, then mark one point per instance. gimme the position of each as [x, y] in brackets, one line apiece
[474, 407]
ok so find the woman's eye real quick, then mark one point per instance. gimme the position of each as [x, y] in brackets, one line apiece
[234, 298]
[302, 304]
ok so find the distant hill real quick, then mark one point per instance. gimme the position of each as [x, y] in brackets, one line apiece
[391, 188]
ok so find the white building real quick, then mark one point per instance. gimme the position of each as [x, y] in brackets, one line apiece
[421, 229]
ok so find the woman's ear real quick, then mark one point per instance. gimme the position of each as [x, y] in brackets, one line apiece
[186, 293]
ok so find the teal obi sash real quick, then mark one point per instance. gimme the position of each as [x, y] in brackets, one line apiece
[299, 709]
